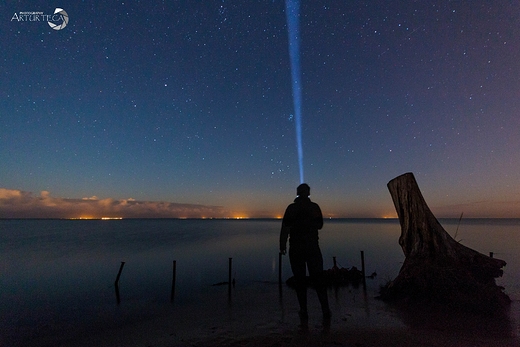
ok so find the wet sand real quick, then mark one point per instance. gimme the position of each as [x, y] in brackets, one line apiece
[261, 315]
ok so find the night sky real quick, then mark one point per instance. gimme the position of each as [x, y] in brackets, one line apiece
[185, 108]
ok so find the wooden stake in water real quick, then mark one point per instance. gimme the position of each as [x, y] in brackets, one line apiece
[229, 277]
[116, 284]
[119, 273]
[173, 280]
[230, 270]
[363, 268]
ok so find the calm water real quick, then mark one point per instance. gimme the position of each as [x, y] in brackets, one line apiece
[57, 276]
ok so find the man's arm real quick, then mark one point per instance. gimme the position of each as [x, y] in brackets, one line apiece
[318, 217]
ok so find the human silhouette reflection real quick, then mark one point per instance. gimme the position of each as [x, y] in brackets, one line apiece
[301, 222]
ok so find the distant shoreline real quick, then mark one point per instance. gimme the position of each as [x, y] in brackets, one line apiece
[339, 219]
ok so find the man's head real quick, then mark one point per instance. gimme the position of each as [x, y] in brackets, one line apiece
[303, 190]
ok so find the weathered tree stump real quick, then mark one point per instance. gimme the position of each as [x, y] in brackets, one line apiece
[437, 268]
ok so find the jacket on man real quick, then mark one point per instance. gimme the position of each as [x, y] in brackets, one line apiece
[302, 220]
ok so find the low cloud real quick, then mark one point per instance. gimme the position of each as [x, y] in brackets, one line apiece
[20, 204]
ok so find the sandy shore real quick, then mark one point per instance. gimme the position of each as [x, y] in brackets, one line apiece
[290, 333]
[263, 316]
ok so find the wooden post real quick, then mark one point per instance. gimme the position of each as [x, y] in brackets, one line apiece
[229, 278]
[363, 269]
[230, 271]
[173, 280]
[119, 273]
[363, 263]
[116, 283]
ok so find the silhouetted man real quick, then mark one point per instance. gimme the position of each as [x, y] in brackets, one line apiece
[301, 221]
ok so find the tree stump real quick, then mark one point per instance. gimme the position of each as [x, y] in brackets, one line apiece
[437, 268]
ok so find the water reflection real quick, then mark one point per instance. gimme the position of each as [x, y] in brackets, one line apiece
[60, 274]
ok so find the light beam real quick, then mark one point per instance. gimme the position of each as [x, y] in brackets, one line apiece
[292, 12]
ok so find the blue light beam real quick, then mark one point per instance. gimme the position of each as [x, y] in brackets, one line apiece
[292, 12]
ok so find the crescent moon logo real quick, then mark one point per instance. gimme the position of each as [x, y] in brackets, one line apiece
[64, 17]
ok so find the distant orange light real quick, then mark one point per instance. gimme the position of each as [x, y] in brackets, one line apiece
[388, 216]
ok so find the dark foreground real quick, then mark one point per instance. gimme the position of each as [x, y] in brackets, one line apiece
[260, 316]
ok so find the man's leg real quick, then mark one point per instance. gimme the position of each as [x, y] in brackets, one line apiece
[298, 267]
[315, 264]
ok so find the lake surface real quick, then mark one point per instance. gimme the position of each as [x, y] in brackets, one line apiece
[57, 276]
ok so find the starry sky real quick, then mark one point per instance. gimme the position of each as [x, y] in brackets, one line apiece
[185, 108]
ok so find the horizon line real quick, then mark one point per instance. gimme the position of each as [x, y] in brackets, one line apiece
[223, 218]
